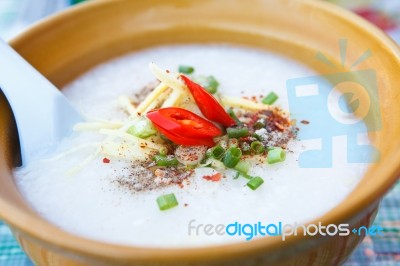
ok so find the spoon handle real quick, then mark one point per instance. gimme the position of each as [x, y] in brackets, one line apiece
[43, 115]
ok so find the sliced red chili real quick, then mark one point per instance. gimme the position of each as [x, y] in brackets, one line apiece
[183, 122]
[184, 127]
[208, 105]
[185, 140]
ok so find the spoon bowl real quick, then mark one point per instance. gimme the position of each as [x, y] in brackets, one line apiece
[42, 113]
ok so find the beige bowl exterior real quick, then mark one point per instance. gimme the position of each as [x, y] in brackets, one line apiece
[64, 46]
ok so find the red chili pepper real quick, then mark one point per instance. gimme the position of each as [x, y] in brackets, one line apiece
[184, 127]
[208, 105]
[215, 177]
[106, 160]
[183, 122]
[186, 140]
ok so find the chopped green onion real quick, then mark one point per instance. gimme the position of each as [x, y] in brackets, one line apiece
[142, 128]
[217, 152]
[166, 202]
[163, 151]
[276, 155]
[165, 160]
[237, 132]
[242, 167]
[270, 98]
[257, 147]
[232, 114]
[260, 123]
[185, 69]
[232, 157]
[209, 83]
[255, 182]
[212, 85]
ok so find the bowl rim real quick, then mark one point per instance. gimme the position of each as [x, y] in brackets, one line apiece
[37, 229]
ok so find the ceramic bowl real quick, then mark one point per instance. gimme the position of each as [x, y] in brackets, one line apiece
[64, 46]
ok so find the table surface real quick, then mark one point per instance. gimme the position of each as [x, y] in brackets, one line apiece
[377, 250]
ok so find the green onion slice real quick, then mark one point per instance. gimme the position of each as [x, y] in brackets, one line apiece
[257, 147]
[184, 69]
[166, 202]
[208, 82]
[217, 152]
[212, 85]
[162, 160]
[237, 132]
[232, 157]
[255, 182]
[276, 155]
[270, 98]
[243, 167]
[142, 128]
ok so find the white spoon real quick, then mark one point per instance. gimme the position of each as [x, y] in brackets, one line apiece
[43, 115]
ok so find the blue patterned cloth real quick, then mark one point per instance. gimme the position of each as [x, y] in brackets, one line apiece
[10, 252]
[382, 250]
[373, 251]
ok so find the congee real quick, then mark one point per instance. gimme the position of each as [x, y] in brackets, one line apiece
[178, 137]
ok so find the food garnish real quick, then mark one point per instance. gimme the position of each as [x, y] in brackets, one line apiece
[276, 155]
[184, 124]
[208, 105]
[255, 182]
[184, 69]
[232, 157]
[180, 126]
[270, 98]
[166, 202]
[242, 167]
